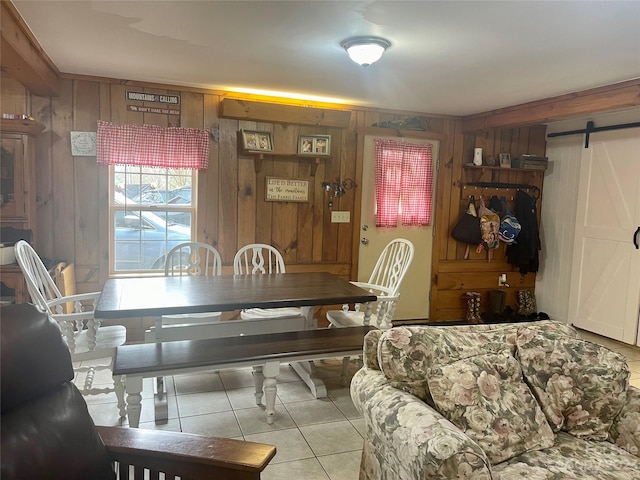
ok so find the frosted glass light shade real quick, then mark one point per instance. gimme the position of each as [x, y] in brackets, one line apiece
[365, 50]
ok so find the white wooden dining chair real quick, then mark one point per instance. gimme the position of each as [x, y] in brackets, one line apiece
[86, 339]
[260, 258]
[192, 259]
[385, 281]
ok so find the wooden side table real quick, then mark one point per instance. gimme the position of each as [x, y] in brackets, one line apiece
[12, 277]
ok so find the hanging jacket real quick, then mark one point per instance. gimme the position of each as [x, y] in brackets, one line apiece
[524, 254]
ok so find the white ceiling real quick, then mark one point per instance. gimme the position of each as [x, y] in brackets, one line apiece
[448, 57]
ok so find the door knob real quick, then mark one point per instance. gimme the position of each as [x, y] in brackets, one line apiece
[365, 228]
[364, 241]
[635, 238]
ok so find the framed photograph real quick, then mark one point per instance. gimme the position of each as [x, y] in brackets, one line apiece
[314, 145]
[505, 160]
[257, 141]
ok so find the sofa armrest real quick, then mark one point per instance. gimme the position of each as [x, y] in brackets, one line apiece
[185, 455]
[405, 438]
[370, 350]
[625, 430]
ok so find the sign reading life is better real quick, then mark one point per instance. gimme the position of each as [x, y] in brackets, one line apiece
[287, 190]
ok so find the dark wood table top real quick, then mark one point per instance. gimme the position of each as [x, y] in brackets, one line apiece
[154, 296]
[155, 357]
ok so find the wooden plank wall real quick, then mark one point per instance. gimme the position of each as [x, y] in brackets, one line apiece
[73, 191]
[451, 274]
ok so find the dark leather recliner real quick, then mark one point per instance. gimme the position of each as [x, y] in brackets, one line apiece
[47, 432]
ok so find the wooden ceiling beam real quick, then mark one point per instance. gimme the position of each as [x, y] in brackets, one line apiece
[22, 57]
[278, 113]
[616, 96]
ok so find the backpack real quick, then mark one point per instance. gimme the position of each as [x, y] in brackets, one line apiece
[467, 229]
[509, 228]
[489, 228]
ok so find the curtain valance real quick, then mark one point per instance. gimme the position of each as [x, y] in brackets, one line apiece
[152, 146]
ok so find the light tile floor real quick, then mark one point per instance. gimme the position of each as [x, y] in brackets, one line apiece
[316, 439]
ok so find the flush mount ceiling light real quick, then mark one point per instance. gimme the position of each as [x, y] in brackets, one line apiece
[365, 50]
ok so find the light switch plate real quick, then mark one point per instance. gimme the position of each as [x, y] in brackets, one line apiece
[340, 216]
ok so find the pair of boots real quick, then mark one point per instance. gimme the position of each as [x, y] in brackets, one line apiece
[473, 307]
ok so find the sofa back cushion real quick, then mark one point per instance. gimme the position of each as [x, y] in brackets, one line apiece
[486, 398]
[581, 386]
[406, 353]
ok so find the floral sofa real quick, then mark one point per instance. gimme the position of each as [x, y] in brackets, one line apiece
[505, 401]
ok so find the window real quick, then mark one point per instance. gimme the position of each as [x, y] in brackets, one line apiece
[152, 210]
[152, 190]
[404, 179]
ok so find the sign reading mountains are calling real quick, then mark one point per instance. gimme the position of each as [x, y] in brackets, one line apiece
[153, 97]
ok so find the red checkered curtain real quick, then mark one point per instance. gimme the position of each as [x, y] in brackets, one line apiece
[152, 146]
[404, 180]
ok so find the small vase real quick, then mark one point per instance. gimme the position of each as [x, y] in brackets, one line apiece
[477, 156]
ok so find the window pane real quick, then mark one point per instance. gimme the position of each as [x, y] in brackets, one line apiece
[152, 212]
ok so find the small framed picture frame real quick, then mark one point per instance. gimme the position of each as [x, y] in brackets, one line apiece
[256, 141]
[316, 145]
[505, 160]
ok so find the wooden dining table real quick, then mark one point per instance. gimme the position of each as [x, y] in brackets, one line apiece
[130, 297]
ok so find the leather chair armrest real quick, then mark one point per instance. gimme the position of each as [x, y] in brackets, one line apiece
[186, 455]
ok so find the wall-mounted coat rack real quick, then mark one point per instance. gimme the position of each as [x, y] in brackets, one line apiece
[517, 186]
[591, 128]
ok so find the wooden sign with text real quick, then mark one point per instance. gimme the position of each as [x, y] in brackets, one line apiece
[286, 190]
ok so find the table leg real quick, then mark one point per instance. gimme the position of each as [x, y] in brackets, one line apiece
[271, 371]
[134, 400]
[118, 385]
[160, 402]
[258, 381]
[309, 314]
[305, 372]
[304, 369]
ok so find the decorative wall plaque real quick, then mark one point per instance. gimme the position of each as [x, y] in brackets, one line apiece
[83, 144]
[286, 190]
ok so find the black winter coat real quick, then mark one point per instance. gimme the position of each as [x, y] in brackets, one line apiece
[524, 254]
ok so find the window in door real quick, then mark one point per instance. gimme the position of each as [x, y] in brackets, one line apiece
[403, 183]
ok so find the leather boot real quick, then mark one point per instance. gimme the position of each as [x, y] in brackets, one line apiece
[476, 309]
[497, 299]
[473, 307]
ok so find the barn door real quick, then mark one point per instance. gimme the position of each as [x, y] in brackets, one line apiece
[605, 279]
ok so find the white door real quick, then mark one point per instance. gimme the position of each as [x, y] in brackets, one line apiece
[605, 279]
[414, 291]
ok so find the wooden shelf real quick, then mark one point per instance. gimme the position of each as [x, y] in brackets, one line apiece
[28, 127]
[258, 156]
[502, 169]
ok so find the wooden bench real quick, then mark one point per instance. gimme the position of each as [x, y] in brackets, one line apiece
[265, 352]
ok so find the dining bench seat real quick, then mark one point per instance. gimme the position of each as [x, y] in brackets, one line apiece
[266, 352]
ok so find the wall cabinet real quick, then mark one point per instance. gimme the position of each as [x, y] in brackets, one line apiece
[17, 189]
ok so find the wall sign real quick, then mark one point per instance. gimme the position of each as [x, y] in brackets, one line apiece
[286, 190]
[83, 144]
[152, 97]
[164, 111]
